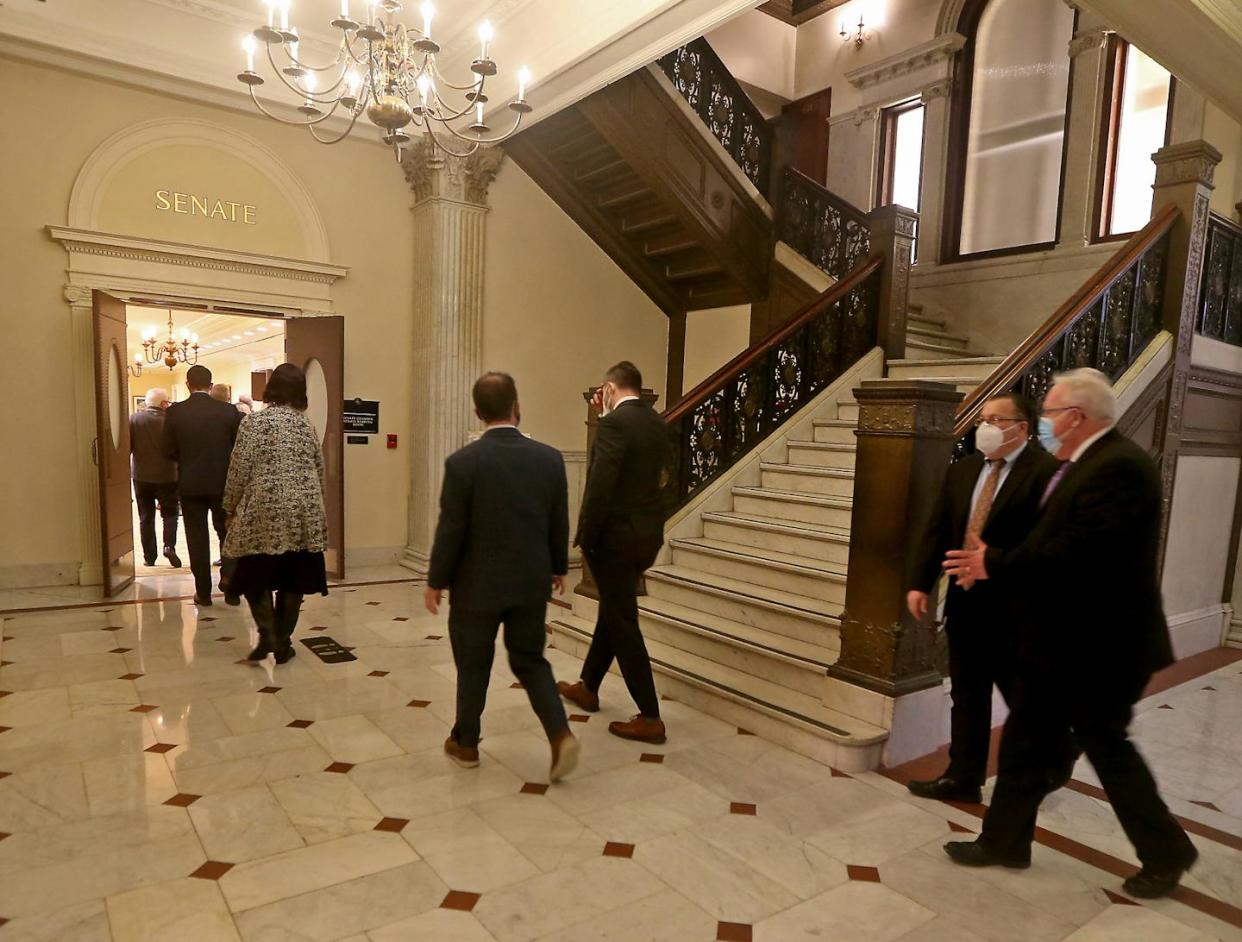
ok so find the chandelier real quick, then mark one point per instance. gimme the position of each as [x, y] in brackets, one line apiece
[170, 351]
[385, 70]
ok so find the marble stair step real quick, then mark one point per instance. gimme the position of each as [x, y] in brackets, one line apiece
[823, 454]
[788, 506]
[934, 332]
[838, 431]
[927, 349]
[787, 613]
[970, 368]
[828, 544]
[807, 478]
[769, 709]
[847, 411]
[764, 569]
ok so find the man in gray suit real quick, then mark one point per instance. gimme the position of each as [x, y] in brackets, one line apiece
[155, 478]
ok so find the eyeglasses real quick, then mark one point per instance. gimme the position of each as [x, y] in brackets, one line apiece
[997, 419]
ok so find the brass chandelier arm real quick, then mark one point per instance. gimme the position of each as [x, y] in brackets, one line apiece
[344, 134]
[487, 140]
[302, 65]
[297, 124]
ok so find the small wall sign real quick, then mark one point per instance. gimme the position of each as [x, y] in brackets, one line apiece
[361, 416]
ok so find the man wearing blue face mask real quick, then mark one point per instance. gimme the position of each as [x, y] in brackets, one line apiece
[989, 496]
[1088, 575]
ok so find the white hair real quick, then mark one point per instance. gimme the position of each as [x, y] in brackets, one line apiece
[1090, 391]
[156, 397]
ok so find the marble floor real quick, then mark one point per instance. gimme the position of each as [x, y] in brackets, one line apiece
[154, 785]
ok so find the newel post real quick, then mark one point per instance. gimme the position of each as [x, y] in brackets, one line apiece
[586, 585]
[905, 440]
[892, 232]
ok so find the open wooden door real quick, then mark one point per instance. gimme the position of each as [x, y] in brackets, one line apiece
[317, 345]
[802, 136]
[116, 524]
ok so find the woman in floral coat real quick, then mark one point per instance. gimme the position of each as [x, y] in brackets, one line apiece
[274, 498]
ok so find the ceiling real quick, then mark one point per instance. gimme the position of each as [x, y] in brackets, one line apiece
[231, 335]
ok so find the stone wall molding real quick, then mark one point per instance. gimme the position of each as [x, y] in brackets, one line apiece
[941, 49]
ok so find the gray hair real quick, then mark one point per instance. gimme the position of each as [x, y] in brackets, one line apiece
[156, 397]
[1089, 390]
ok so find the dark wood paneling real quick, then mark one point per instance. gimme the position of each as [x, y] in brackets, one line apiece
[116, 525]
[797, 12]
[801, 136]
[787, 295]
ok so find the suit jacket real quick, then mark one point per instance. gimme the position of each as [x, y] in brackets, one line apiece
[504, 523]
[198, 434]
[1014, 509]
[623, 504]
[146, 448]
[1088, 573]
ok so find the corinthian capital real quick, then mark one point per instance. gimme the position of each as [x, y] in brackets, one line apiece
[433, 174]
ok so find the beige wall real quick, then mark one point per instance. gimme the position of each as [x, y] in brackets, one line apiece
[557, 312]
[713, 338]
[1223, 133]
[759, 50]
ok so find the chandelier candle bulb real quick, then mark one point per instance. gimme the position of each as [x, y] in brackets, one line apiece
[284, 15]
[271, 14]
[249, 45]
[344, 9]
[428, 10]
[523, 80]
[485, 36]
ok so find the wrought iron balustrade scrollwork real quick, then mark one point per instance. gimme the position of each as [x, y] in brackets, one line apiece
[826, 230]
[716, 97]
[740, 405]
[1220, 296]
[1105, 324]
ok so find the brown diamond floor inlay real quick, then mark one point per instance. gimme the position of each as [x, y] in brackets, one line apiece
[742, 807]
[319, 628]
[339, 767]
[1209, 687]
[120, 650]
[7, 663]
[617, 849]
[161, 747]
[225, 638]
[5, 693]
[865, 874]
[113, 628]
[419, 703]
[5, 774]
[460, 900]
[373, 603]
[392, 824]
[744, 732]
[578, 718]
[1205, 804]
[129, 677]
[434, 637]
[378, 674]
[837, 773]
[4, 834]
[400, 618]
[959, 829]
[733, 932]
[534, 788]
[269, 689]
[212, 870]
[1164, 706]
[300, 724]
[143, 708]
[651, 757]
[1119, 899]
[208, 618]
[5, 729]
[182, 800]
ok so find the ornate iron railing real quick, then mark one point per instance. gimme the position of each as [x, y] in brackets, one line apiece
[823, 228]
[702, 79]
[1105, 324]
[1220, 296]
[730, 412]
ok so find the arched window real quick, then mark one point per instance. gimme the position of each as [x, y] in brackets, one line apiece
[1008, 126]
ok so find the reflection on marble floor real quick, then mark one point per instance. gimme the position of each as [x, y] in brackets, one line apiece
[152, 787]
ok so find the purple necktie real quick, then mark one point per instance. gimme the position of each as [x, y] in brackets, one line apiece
[1054, 481]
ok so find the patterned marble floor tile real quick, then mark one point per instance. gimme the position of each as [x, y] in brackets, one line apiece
[35, 707]
[879, 834]
[1130, 923]
[243, 824]
[444, 925]
[544, 833]
[848, 913]
[42, 797]
[790, 862]
[82, 922]
[324, 806]
[466, 852]
[353, 739]
[38, 672]
[666, 916]
[171, 912]
[252, 712]
[127, 782]
[641, 819]
[103, 696]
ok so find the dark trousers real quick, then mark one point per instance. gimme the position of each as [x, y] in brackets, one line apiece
[473, 637]
[617, 573]
[195, 511]
[146, 496]
[276, 617]
[979, 657]
[1044, 714]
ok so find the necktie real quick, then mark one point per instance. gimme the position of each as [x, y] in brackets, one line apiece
[983, 506]
[1054, 481]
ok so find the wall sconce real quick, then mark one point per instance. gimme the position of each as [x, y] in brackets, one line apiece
[858, 37]
[135, 368]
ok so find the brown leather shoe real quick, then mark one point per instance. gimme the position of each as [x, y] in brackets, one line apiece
[465, 756]
[565, 752]
[577, 693]
[639, 728]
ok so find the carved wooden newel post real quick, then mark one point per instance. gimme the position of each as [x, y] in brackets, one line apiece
[905, 438]
[892, 232]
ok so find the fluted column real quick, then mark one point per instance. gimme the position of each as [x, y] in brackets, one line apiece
[82, 326]
[450, 212]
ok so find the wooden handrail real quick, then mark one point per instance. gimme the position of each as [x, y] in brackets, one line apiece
[749, 356]
[1033, 347]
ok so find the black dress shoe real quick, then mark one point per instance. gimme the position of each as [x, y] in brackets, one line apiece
[149, 562]
[200, 600]
[285, 654]
[173, 559]
[259, 653]
[946, 789]
[1153, 883]
[974, 854]
[232, 598]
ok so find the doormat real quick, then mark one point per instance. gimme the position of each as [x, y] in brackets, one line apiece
[328, 651]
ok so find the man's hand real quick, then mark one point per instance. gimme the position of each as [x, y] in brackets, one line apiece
[967, 566]
[431, 599]
[917, 602]
[558, 585]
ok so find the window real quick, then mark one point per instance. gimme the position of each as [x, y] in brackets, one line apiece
[1135, 125]
[1009, 126]
[901, 156]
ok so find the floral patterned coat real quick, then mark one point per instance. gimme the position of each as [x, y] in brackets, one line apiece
[275, 486]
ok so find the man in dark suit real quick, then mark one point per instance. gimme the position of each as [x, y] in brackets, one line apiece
[991, 496]
[1088, 575]
[199, 434]
[502, 545]
[621, 530]
[155, 478]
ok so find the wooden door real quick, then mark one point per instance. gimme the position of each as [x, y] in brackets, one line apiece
[111, 448]
[317, 346]
[802, 136]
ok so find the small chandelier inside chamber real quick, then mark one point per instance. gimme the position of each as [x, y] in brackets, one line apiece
[385, 70]
[169, 350]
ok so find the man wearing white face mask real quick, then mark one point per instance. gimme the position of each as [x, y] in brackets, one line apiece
[989, 496]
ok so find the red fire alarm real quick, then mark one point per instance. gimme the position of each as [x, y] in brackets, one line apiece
[392, 440]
